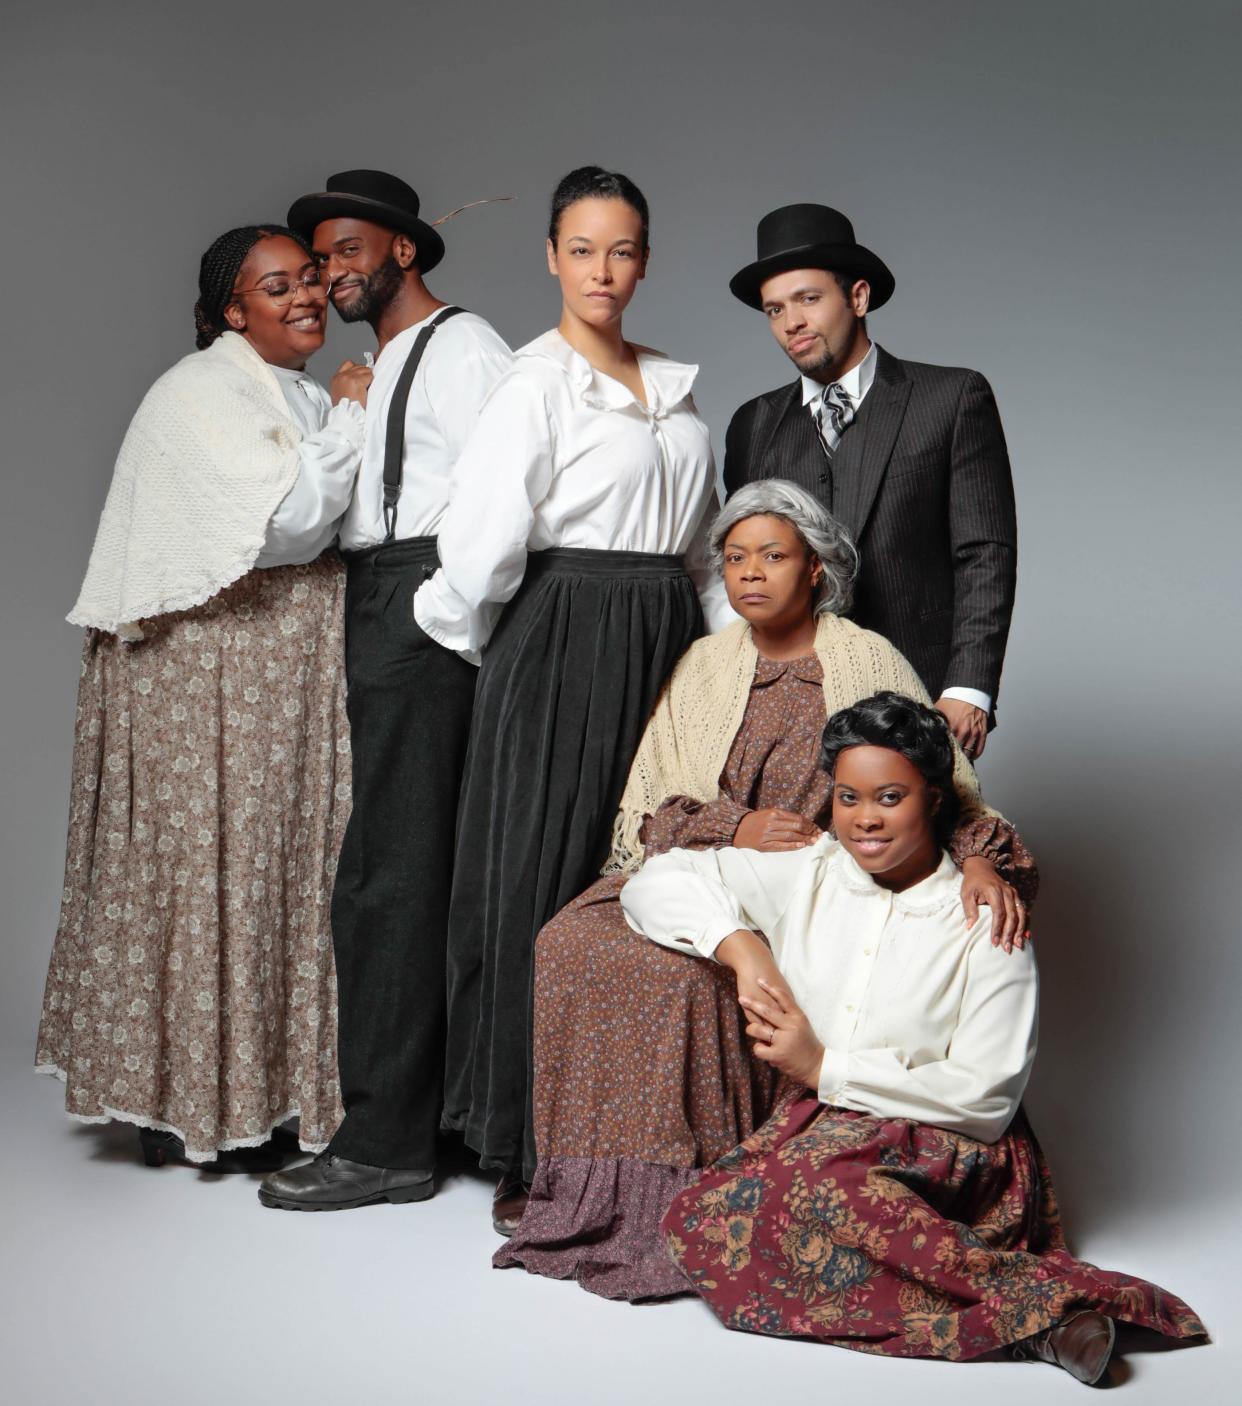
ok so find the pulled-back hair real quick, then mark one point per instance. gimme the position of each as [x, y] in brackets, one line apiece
[900, 724]
[845, 282]
[217, 272]
[821, 534]
[594, 183]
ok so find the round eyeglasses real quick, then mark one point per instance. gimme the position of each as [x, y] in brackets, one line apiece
[282, 290]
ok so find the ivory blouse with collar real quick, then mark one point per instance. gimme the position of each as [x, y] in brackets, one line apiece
[564, 456]
[920, 1016]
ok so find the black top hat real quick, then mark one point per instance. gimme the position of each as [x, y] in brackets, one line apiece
[810, 237]
[370, 195]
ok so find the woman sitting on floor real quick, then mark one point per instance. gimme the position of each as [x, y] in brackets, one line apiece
[896, 1201]
[642, 1076]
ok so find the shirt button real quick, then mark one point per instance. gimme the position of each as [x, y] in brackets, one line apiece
[849, 1008]
[866, 951]
[823, 478]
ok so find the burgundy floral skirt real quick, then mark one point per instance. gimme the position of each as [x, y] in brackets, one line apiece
[893, 1237]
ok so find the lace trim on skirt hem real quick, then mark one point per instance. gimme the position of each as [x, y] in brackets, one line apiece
[192, 1154]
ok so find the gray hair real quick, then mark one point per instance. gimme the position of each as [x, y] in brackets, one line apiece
[821, 533]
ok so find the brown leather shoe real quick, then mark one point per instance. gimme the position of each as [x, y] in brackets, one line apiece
[508, 1203]
[1081, 1344]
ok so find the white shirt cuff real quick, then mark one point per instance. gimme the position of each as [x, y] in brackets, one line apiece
[350, 419]
[713, 933]
[969, 695]
[832, 1075]
[423, 619]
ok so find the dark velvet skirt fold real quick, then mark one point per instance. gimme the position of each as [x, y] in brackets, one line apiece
[566, 687]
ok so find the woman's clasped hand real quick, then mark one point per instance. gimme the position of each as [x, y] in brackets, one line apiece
[783, 1034]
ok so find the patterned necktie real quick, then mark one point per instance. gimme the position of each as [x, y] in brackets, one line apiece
[834, 410]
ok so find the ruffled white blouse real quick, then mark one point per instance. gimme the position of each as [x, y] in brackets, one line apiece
[564, 456]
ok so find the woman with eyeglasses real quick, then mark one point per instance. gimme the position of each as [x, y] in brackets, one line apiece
[191, 988]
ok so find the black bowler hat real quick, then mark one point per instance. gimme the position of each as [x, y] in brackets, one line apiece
[370, 195]
[810, 237]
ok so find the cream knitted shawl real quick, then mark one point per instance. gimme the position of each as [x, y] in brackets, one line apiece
[697, 716]
[207, 459]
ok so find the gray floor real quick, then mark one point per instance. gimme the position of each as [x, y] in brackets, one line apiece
[138, 1286]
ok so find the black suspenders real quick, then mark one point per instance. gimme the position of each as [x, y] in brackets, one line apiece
[394, 439]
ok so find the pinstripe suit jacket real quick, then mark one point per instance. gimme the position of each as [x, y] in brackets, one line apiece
[921, 480]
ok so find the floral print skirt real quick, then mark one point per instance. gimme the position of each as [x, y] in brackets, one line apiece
[191, 985]
[642, 1078]
[893, 1237]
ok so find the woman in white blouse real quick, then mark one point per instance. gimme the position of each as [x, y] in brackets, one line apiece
[191, 988]
[897, 1201]
[578, 513]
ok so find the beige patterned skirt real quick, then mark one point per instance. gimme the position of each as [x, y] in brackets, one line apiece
[191, 985]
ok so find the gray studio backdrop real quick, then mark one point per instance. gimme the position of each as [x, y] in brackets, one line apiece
[1055, 187]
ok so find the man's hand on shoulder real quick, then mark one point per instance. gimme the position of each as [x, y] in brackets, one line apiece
[967, 723]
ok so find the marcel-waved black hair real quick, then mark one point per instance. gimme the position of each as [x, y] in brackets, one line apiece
[594, 183]
[217, 272]
[918, 732]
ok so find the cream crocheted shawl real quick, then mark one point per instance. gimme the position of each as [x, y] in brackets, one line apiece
[207, 459]
[698, 714]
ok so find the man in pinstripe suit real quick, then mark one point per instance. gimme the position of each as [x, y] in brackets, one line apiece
[909, 457]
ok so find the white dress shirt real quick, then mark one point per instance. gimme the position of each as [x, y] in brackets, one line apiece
[463, 361]
[919, 1015]
[565, 456]
[309, 515]
[856, 383]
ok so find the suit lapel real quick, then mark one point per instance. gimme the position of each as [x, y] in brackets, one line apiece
[883, 411]
[781, 405]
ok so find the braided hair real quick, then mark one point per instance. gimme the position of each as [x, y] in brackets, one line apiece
[217, 273]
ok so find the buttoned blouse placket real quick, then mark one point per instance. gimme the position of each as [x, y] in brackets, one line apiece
[591, 396]
[857, 983]
[654, 418]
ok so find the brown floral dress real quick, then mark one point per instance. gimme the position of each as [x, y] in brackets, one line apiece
[642, 1071]
[191, 985]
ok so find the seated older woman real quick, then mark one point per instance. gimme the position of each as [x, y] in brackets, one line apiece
[896, 1202]
[642, 1075]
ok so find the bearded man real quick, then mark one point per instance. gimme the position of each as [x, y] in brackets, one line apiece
[409, 699]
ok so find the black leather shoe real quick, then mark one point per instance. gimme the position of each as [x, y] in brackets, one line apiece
[1081, 1344]
[331, 1183]
[508, 1204]
[159, 1148]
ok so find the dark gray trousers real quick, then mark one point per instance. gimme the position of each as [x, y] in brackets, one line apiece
[409, 706]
